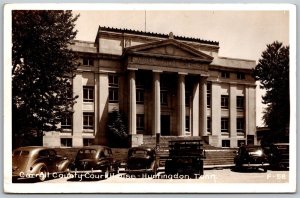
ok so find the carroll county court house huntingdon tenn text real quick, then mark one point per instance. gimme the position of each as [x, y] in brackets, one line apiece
[167, 84]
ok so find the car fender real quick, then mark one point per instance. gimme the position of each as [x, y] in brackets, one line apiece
[36, 167]
[63, 165]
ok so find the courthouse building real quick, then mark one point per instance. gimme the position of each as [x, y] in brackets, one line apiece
[165, 84]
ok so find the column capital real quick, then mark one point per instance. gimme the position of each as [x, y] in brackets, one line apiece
[157, 71]
[182, 73]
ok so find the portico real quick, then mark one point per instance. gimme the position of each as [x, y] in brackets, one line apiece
[175, 59]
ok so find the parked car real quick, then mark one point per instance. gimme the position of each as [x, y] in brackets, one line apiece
[251, 157]
[37, 162]
[185, 158]
[92, 161]
[142, 160]
[278, 154]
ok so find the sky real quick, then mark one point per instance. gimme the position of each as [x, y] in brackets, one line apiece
[241, 34]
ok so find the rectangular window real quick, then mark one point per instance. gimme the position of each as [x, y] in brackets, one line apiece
[225, 74]
[241, 143]
[66, 121]
[208, 100]
[139, 96]
[113, 82]
[240, 102]
[224, 125]
[88, 141]
[140, 122]
[224, 101]
[88, 120]
[164, 98]
[88, 62]
[88, 94]
[66, 142]
[225, 143]
[208, 124]
[187, 123]
[240, 75]
[240, 125]
[208, 93]
[187, 99]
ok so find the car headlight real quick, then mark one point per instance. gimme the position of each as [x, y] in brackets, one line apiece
[258, 152]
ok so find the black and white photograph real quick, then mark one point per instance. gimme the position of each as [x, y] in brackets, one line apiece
[149, 98]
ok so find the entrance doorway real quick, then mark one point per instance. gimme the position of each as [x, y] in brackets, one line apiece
[165, 125]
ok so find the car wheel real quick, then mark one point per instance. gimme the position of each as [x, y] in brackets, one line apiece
[42, 174]
[116, 170]
[265, 169]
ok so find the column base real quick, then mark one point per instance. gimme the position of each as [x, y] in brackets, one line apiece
[135, 140]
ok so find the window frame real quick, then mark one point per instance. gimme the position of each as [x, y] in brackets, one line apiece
[187, 123]
[208, 124]
[224, 145]
[225, 125]
[240, 76]
[238, 99]
[66, 122]
[66, 145]
[140, 122]
[238, 124]
[225, 74]
[88, 126]
[113, 88]
[224, 101]
[87, 139]
[88, 94]
[90, 61]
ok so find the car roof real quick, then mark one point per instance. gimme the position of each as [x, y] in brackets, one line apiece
[146, 148]
[283, 144]
[96, 147]
[31, 148]
[252, 146]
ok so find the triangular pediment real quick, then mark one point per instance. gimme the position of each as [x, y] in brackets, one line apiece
[169, 48]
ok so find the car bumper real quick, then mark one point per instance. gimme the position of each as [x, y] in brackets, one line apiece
[255, 165]
[138, 171]
[74, 172]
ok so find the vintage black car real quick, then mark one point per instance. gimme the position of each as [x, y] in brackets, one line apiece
[35, 162]
[185, 158]
[251, 157]
[278, 154]
[94, 161]
[142, 160]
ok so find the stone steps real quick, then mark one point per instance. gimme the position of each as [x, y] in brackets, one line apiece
[214, 156]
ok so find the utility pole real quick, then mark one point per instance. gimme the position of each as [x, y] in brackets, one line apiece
[145, 21]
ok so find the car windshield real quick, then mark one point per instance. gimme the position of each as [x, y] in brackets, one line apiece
[86, 154]
[138, 153]
[21, 153]
[253, 149]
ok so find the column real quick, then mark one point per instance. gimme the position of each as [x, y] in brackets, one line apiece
[195, 110]
[132, 103]
[232, 115]
[78, 114]
[156, 102]
[181, 104]
[100, 135]
[203, 107]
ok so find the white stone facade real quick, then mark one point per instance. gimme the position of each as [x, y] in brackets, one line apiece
[174, 86]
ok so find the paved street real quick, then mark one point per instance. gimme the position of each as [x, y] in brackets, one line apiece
[210, 176]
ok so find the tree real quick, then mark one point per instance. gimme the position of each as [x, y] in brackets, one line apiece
[272, 71]
[117, 129]
[42, 69]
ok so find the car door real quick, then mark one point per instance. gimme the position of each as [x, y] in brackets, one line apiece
[52, 161]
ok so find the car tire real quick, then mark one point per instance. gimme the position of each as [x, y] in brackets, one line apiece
[265, 169]
[42, 174]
